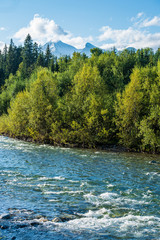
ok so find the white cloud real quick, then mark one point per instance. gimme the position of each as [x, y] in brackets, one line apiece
[155, 21]
[141, 22]
[2, 29]
[119, 35]
[139, 16]
[43, 30]
[133, 36]
[120, 38]
[149, 40]
[2, 44]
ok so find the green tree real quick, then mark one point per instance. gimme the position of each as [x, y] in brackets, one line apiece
[134, 107]
[18, 115]
[40, 60]
[96, 51]
[43, 98]
[36, 51]
[11, 66]
[27, 55]
[88, 117]
[48, 56]
[63, 63]
[128, 110]
[150, 124]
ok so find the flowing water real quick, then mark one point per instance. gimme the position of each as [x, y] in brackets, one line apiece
[89, 194]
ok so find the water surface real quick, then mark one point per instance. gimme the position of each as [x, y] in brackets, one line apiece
[97, 194]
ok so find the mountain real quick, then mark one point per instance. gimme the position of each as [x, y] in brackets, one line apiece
[87, 49]
[60, 48]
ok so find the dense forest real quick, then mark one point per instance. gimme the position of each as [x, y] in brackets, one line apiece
[109, 98]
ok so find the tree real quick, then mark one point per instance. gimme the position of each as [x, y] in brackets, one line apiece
[135, 107]
[18, 115]
[35, 52]
[157, 56]
[111, 71]
[2, 73]
[150, 124]
[96, 51]
[63, 63]
[128, 109]
[87, 108]
[40, 60]
[5, 52]
[11, 66]
[27, 55]
[43, 98]
[48, 56]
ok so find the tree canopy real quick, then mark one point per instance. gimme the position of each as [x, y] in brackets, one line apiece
[108, 98]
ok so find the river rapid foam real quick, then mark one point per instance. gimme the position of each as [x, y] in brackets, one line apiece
[58, 193]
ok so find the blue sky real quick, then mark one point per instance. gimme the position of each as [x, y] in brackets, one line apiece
[104, 23]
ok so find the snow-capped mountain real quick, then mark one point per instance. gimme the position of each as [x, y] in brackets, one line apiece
[61, 49]
[87, 49]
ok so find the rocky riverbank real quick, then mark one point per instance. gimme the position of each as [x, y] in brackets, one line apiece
[21, 224]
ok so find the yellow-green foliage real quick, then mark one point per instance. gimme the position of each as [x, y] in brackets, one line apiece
[88, 124]
[86, 101]
[18, 114]
[4, 124]
[128, 108]
[150, 125]
[138, 110]
[82, 115]
[43, 97]
[31, 112]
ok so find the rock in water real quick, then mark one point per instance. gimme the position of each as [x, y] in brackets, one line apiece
[57, 219]
[6, 216]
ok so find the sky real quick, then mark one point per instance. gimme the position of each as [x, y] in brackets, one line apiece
[104, 23]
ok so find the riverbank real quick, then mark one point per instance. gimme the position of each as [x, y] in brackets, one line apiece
[108, 147]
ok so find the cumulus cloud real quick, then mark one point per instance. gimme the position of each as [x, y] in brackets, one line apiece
[43, 30]
[134, 36]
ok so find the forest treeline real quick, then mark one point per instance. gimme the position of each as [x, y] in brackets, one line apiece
[106, 99]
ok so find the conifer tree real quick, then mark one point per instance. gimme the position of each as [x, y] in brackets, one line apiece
[35, 52]
[48, 56]
[11, 59]
[27, 55]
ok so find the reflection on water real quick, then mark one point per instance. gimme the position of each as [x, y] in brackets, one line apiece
[91, 194]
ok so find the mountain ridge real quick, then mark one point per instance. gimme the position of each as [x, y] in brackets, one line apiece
[60, 48]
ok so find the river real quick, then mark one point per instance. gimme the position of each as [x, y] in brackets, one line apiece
[90, 194]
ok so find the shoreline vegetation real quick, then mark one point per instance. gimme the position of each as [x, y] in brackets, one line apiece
[110, 148]
[109, 100]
